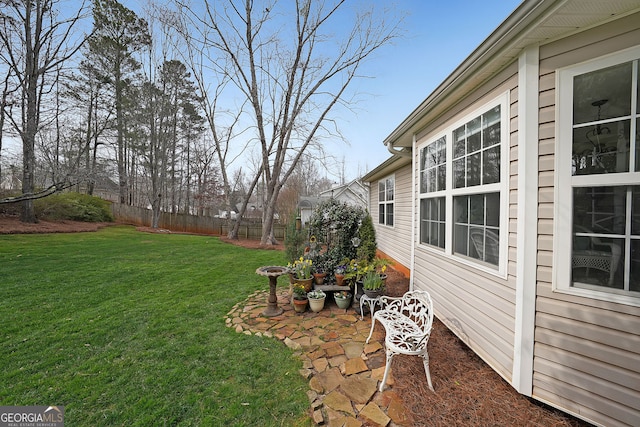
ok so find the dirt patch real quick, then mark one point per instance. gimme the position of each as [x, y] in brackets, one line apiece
[468, 391]
[12, 225]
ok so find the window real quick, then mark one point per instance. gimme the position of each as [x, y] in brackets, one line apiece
[462, 187]
[599, 176]
[433, 178]
[386, 189]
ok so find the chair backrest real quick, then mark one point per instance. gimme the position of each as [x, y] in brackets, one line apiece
[418, 306]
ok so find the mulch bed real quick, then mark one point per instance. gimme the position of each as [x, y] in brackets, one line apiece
[468, 391]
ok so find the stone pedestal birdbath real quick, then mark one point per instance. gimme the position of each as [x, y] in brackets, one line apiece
[272, 272]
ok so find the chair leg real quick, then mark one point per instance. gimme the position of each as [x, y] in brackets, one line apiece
[386, 370]
[373, 323]
[425, 361]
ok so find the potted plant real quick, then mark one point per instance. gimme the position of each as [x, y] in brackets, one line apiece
[316, 300]
[339, 273]
[342, 298]
[301, 272]
[300, 300]
[372, 284]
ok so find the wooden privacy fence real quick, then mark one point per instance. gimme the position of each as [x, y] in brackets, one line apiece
[190, 223]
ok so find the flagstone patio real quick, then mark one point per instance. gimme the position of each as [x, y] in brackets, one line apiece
[342, 370]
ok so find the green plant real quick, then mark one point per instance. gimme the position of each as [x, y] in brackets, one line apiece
[73, 206]
[301, 268]
[335, 225]
[372, 281]
[299, 292]
[294, 240]
[316, 294]
[367, 234]
[342, 295]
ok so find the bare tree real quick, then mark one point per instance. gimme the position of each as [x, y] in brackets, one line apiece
[291, 68]
[35, 41]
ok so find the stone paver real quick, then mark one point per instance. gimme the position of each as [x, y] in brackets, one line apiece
[342, 370]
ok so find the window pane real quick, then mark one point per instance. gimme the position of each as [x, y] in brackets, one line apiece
[493, 210]
[601, 148]
[473, 135]
[381, 192]
[460, 235]
[476, 209]
[424, 223]
[598, 261]
[459, 149]
[390, 189]
[599, 210]
[431, 180]
[602, 94]
[423, 158]
[491, 165]
[389, 214]
[433, 232]
[634, 274]
[491, 246]
[459, 173]
[430, 161]
[476, 248]
[423, 181]
[637, 168]
[473, 170]
[431, 224]
[442, 177]
[635, 211]
[491, 127]
[381, 213]
[460, 210]
[441, 155]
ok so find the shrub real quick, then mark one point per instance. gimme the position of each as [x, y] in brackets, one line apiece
[73, 206]
[335, 225]
[367, 235]
[294, 240]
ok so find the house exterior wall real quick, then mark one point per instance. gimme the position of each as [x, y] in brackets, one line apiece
[586, 351]
[572, 349]
[395, 242]
[477, 305]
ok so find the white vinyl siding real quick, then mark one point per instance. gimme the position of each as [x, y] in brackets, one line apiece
[396, 242]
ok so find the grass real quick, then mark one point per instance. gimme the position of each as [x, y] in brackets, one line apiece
[127, 328]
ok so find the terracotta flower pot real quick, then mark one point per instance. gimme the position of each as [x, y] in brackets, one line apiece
[319, 278]
[340, 279]
[307, 283]
[300, 305]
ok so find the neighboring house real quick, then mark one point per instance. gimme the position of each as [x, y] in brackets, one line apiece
[306, 206]
[354, 193]
[516, 187]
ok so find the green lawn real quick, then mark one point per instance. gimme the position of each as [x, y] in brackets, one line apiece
[127, 328]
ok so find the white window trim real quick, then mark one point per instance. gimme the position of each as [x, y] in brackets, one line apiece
[563, 204]
[449, 193]
[387, 202]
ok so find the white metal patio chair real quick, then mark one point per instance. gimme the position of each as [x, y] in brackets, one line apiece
[407, 321]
